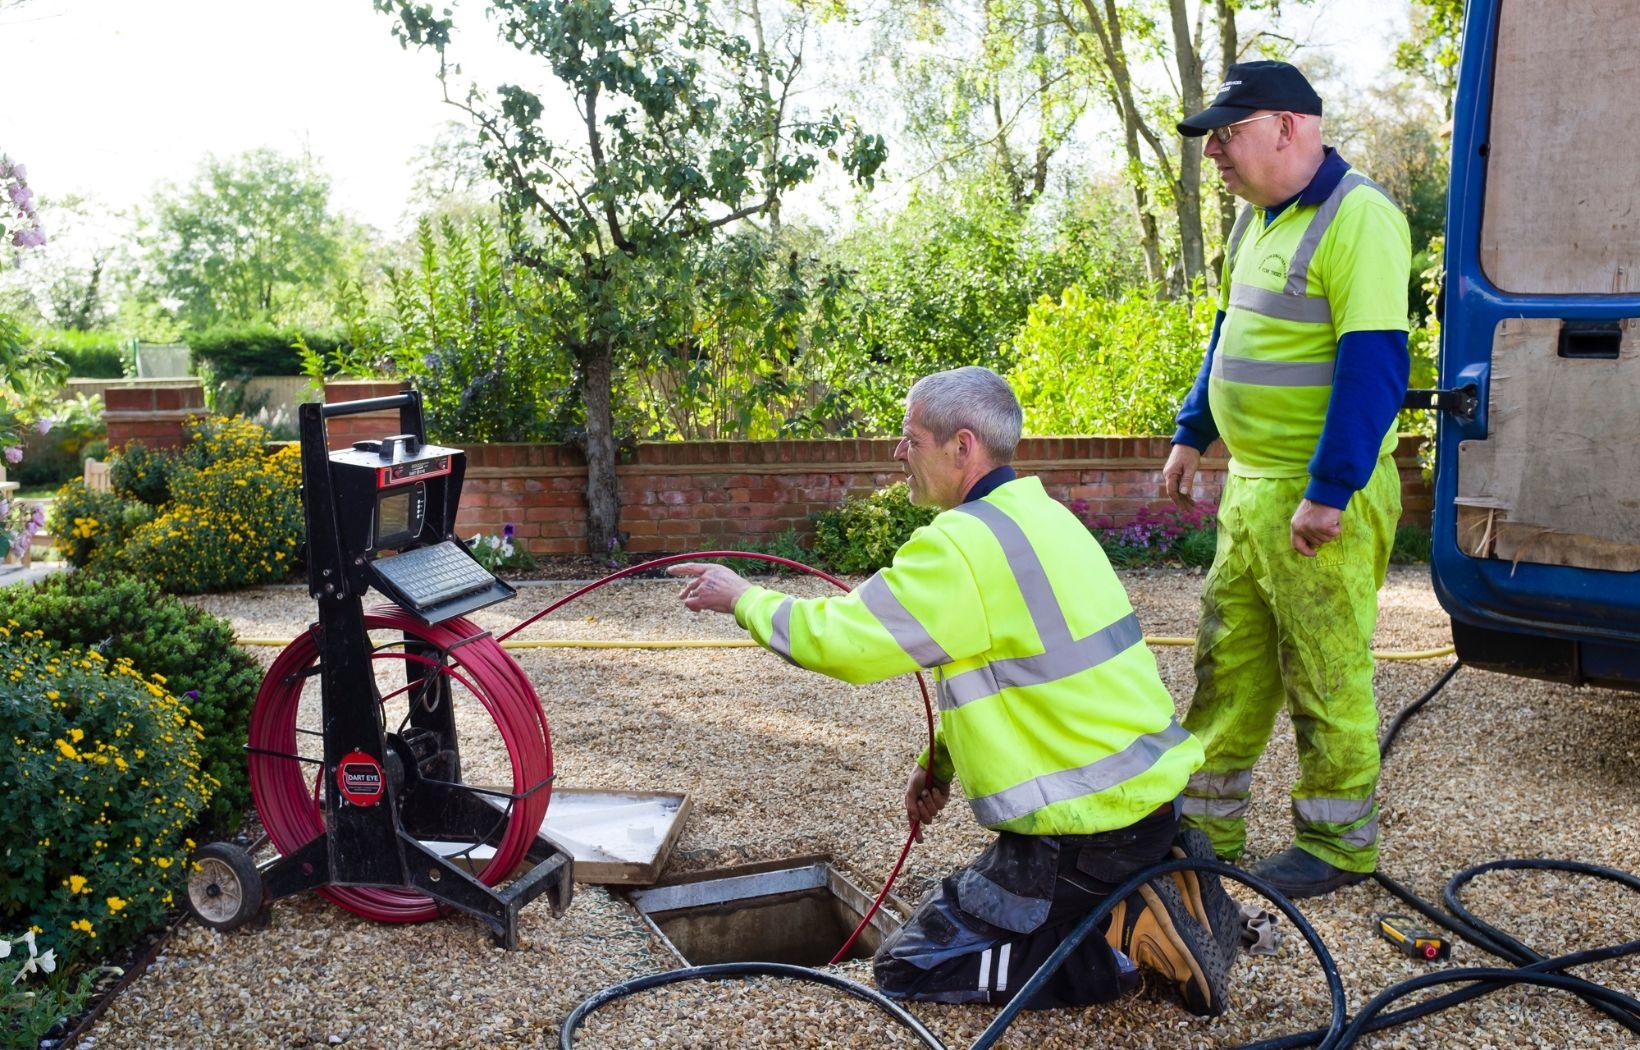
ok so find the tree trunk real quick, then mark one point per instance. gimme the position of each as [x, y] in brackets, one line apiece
[1187, 191]
[1108, 30]
[597, 367]
[1229, 53]
[771, 142]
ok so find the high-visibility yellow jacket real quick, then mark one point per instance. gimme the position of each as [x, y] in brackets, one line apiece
[1051, 710]
[1290, 291]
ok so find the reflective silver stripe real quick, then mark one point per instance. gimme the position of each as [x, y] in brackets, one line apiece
[1256, 372]
[1238, 231]
[780, 638]
[1225, 808]
[1331, 810]
[1038, 792]
[1298, 270]
[1220, 785]
[1363, 836]
[897, 620]
[1032, 579]
[1002, 965]
[1311, 309]
[1060, 661]
[985, 970]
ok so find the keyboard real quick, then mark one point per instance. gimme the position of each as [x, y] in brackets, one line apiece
[429, 576]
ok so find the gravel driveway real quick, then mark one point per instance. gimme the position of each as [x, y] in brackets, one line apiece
[781, 763]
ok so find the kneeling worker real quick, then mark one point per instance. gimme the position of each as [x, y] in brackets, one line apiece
[1051, 713]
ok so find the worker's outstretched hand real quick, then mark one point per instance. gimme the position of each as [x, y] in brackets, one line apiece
[713, 587]
[1315, 524]
[924, 798]
[1179, 474]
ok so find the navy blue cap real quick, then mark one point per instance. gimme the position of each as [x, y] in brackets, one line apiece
[1249, 87]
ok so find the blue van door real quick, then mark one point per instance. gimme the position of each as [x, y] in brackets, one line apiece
[1536, 551]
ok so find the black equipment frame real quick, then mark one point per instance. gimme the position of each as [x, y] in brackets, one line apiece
[381, 845]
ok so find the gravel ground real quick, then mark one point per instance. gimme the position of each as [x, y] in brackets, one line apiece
[781, 763]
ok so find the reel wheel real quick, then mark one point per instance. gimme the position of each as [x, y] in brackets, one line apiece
[224, 886]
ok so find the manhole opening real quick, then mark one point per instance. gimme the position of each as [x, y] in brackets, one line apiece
[797, 913]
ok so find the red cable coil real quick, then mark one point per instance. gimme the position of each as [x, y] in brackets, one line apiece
[291, 810]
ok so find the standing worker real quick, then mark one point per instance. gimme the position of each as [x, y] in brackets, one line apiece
[1051, 713]
[1303, 377]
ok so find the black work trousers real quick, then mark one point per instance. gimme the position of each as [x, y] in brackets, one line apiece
[989, 926]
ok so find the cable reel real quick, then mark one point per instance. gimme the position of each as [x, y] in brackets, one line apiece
[354, 745]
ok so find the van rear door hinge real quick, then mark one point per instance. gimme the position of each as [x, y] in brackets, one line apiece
[1462, 402]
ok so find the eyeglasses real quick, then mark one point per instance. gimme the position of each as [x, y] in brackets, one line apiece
[1224, 134]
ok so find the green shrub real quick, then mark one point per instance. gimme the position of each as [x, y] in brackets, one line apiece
[233, 523]
[1089, 365]
[143, 474]
[863, 534]
[249, 350]
[193, 651]
[1412, 545]
[785, 545]
[91, 528]
[88, 355]
[106, 765]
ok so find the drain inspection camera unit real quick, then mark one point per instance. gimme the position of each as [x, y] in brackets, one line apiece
[383, 822]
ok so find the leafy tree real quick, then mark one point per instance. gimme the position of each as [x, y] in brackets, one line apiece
[250, 239]
[676, 149]
[1431, 52]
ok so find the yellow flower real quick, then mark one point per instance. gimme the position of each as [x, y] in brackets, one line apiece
[76, 735]
[76, 883]
[83, 925]
[52, 694]
[66, 748]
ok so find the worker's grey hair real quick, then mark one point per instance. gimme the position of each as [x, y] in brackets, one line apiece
[969, 398]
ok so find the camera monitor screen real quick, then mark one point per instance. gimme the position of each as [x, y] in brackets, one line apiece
[399, 514]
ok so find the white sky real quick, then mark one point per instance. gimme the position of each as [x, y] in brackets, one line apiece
[110, 97]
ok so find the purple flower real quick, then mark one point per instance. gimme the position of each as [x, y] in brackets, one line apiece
[29, 237]
[37, 520]
[430, 360]
[19, 172]
[21, 195]
[508, 531]
[43, 426]
[192, 694]
[22, 543]
[14, 454]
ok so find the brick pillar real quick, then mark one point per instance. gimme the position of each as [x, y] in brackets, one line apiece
[372, 426]
[153, 411]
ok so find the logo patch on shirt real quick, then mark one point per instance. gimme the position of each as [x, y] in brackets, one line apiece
[1273, 266]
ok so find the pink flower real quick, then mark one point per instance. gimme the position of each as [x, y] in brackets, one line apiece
[14, 454]
[43, 426]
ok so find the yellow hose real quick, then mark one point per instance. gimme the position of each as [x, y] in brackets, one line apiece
[747, 643]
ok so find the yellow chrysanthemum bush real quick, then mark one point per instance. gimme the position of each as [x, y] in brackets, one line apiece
[233, 520]
[101, 785]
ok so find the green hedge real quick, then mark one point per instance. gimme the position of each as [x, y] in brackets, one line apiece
[257, 349]
[88, 355]
[863, 534]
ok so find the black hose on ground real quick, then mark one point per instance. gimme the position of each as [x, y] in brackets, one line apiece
[737, 971]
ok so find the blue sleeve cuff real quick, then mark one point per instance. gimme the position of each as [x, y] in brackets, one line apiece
[1329, 493]
[1194, 438]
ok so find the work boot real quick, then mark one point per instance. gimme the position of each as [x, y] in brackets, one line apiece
[1204, 895]
[1299, 873]
[1154, 929]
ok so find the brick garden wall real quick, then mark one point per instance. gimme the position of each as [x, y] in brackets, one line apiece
[698, 494]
